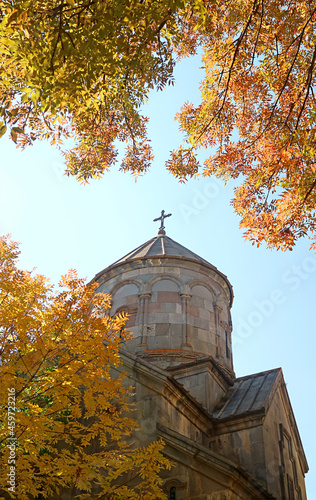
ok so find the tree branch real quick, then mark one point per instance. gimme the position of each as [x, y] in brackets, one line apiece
[308, 84]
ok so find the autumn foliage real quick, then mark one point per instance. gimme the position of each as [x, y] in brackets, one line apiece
[70, 421]
[258, 114]
[83, 69]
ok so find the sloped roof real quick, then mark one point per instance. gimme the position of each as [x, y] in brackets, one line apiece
[161, 246]
[248, 394]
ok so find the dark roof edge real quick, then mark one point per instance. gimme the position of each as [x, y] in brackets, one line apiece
[258, 374]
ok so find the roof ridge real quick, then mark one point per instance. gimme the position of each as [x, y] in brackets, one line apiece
[259, 373]
[142, 247]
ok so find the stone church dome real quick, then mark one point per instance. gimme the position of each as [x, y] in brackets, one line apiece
[178, 303]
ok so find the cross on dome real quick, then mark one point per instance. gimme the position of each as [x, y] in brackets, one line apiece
[162, 219]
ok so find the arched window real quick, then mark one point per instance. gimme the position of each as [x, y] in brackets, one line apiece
[172, 493]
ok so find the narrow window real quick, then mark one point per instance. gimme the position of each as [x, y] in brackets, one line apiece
[226, 342]
[172, 493]
[290, 448]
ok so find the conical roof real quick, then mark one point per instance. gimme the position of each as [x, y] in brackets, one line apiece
[161, 246]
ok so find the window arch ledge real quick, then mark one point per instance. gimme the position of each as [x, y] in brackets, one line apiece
[174, 483]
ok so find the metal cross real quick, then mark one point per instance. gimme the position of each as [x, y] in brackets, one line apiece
[162, 218]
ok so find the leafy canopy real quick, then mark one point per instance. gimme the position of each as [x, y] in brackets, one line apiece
[83, 69]
[258, 112]
[70, 426]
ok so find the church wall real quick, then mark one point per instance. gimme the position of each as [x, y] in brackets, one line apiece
[156, 404]
[201, 382]
[267, 448]
[284, 472]
[243, 444]
[162, 410]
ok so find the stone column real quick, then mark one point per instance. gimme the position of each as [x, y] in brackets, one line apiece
[185, 299]
[217, 311]
[143, 325]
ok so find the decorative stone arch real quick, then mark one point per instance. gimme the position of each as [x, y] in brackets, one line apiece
[130, 281]
[165, 295]
[175, 489]
[161, 277]
[197, 282]
[121, 309]
[131, 309]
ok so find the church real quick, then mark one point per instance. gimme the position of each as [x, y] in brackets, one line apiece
[229, 438]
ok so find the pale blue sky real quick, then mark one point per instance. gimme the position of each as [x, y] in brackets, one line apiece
[61, 225]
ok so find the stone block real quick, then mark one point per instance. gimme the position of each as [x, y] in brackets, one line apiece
[204, 314]
[203, 335]
[160, 342]
[132, 299]
[176, 330]
[196, 301]
[194, 311]
[166, 296]
[151, 330]
[162, 329]
[175, 342]
[174, 318]
[168, 308]
[200, 323]
[131, 274]
[131, 322]
[160, 318]
[208, 304]
[154, 307]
